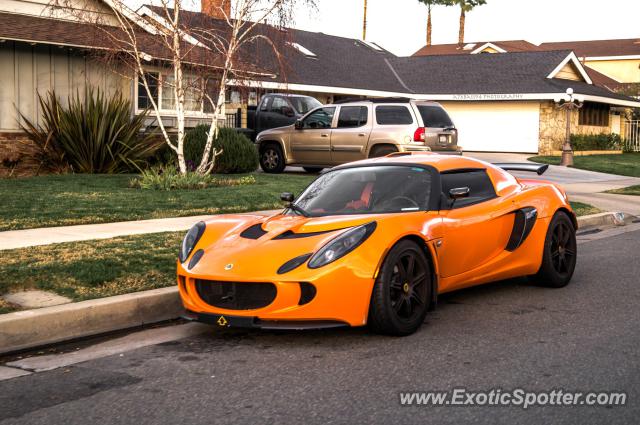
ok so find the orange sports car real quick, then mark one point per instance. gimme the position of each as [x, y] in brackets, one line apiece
[374, 242]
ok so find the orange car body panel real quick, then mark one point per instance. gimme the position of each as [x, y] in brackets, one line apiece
[466, 247]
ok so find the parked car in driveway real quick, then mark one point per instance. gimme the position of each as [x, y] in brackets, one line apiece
[278, 110]
[343, 132]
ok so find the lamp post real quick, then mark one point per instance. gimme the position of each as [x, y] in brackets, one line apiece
[568, 102]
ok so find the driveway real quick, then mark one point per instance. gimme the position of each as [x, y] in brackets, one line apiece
[581, 185]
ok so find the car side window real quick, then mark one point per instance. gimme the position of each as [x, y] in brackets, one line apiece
[352, 116]
[480, 187]
[393, 115]
[278, 104]
[264, 105]
[319, 119]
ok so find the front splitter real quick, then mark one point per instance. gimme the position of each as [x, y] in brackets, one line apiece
[226, 321]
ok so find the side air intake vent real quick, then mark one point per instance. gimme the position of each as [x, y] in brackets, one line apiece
[522, 225]
[253, 232]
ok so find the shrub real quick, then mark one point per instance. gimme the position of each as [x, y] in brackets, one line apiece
[239, 154]
[94, 134]
[594, 142]
[169, 178]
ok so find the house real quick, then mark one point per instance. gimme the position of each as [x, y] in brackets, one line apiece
[617, 59]
[476, 47]
[499, 102]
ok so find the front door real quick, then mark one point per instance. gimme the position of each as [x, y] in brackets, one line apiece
[311, 144]
[350, 137]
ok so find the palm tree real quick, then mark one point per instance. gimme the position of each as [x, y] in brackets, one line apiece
[430, 4]
[465, 6]
[364, 22]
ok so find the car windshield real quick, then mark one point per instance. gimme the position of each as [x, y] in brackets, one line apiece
[368, 190]
[304, 104]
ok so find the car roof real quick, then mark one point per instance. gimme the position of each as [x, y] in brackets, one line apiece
[383, 101]
[439, 162]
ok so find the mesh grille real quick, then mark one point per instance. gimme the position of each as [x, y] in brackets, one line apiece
[236, 295]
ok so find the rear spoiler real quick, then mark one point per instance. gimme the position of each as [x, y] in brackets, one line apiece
[530, 167]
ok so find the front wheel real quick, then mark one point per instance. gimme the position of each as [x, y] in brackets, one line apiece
[402, 292]
[272, 159]
[560, 253]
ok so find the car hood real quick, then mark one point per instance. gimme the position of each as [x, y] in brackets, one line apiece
[276, 131]
[256, 246]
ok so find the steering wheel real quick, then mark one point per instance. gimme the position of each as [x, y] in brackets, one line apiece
[406, 200]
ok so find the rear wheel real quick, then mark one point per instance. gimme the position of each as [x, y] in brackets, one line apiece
[379, 151]
[313, 169]
[272, 159]
[402, 292]
[560, 253]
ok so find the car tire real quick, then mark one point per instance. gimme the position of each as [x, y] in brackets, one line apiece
[560, 253]
[313, 169]
[272, 158]
[379, 151]
[402, 292]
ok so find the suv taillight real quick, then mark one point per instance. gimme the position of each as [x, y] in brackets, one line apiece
[419, 135]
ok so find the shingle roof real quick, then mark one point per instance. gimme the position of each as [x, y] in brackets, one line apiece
[339, 62]
[74, 34]
[457, 49]
[348, 63]
[506, 73]
[594, 48]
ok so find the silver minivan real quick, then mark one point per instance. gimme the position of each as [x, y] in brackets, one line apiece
[348, 131]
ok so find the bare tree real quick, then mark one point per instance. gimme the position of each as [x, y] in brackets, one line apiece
[201, 54]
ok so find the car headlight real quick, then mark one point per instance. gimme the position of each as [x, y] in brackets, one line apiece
[190, 240]
[341, 245]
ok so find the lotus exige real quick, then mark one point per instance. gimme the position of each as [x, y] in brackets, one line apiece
[374, 242]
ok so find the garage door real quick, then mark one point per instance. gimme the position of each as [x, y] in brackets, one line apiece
[496, 126]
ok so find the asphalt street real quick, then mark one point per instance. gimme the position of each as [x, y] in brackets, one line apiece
[507, 335]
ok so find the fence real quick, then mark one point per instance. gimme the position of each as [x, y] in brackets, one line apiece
[233, 119]
[632, 135]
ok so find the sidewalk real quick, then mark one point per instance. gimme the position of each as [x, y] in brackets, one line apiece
[13, 239]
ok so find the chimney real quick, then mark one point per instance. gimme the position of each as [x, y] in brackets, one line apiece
[215, 8]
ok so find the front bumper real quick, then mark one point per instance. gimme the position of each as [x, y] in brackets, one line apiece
[252, 322]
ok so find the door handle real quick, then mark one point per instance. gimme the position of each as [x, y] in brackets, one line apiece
[324, 135]
[361, 134]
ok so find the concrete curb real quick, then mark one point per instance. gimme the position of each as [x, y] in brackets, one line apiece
[605, 219]
[33, 328]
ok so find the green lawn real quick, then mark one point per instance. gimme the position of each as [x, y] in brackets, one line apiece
[81, 199]
[631, 190]
[584, 209]
[626, 164]
[92, 269]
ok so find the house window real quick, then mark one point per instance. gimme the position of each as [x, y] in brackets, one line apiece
[594, 114]
[162, 88]
[144, 101]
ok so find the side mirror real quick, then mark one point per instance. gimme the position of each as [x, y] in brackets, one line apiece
[286, 197]
[458, 192]
[298, 125]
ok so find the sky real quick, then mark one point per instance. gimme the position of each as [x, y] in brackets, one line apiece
[400, 25]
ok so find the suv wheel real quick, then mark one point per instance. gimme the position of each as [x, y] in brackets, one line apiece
[379, 151]
[272, 159]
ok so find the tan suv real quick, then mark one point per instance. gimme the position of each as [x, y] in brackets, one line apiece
[349, 131]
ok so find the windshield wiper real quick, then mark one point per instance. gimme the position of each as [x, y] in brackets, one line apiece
[299, 210]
